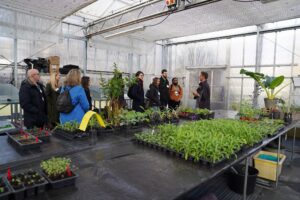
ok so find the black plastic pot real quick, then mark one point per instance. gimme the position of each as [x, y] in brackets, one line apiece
[40, 188]
[236, 181]
[17, 194]
[288, 118]
[274, 115]
[5, 195]
[29, 191]
[56, 184]
[211, 115]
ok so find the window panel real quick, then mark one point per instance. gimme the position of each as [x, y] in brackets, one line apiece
[268, 45]
[236, 51]
[284, 49]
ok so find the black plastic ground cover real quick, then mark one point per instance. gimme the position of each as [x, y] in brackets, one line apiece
[78, 135]
[24, 147]
[5, 195]
[57, 184]
[180, 155]
[18, 194]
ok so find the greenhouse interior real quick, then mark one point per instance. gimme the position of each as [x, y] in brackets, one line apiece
[150, 99]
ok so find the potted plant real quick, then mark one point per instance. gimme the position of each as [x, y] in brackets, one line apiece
[113, 90]
[4, 190]
[271, 86]
[57, 171]
[286, 110]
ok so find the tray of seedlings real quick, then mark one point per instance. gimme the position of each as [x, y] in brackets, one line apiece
[58, 173]
[7, 127]
[70, 131]
[195, 114]
[23, 141]
[208, 142]
[5, 190]
[27, 184]
[158, 117]
[42, 134]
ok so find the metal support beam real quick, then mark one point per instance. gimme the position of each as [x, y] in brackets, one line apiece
[15, 62]
[258, 53]
[149, 17]
[85, 56]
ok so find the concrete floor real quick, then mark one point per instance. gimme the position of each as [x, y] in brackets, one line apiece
[289, 185]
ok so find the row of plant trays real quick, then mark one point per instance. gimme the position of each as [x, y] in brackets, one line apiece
[32, 183]
[171, 152]
[179, 154]
[193, 116]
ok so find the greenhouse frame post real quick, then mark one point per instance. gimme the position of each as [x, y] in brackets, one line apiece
[246, 179]
[257, 63]
[86, 41]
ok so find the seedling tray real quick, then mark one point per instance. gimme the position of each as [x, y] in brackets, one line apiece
[57, 184]
[179, 154]
[17, 194]
[17, 144]
[78, 135]
[42, 136]
[5, 195]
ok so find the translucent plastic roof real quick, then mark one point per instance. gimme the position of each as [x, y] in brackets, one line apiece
[102, 8]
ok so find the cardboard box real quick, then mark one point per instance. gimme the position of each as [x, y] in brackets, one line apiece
[54, 62]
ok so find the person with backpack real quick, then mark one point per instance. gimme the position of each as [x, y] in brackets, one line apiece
[164, 89]
[33, 100]
[136, 93]
[52, 92]
[176, 93]
[72, 102]
[153, 94]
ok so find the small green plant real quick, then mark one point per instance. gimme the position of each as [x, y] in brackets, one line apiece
[132, 118]
[71, 126]
[247, 111]
[55, 168]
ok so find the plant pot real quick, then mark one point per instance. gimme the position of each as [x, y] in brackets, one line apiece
[5, 195]
[236, 181]
[17, 194]
[274, 115]
[288, 118]
[56, 184]
[271, 103]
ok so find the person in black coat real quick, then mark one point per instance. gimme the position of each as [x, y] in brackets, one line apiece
[202, 95]
[138, 103]
[33, 100]
[153, 94]
[85, 83]
[164, 89]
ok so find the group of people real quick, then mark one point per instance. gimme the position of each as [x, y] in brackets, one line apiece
[39, 102]
[162, 95]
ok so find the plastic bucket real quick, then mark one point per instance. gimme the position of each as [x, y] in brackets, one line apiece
[236, 180]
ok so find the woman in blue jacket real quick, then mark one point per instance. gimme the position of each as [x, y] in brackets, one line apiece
[78, 96]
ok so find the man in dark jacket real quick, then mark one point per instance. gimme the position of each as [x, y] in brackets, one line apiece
[164, 89]
[137, 93]
[202, 95]
[33, 100]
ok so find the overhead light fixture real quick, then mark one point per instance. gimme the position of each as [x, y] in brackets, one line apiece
[126, 32]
